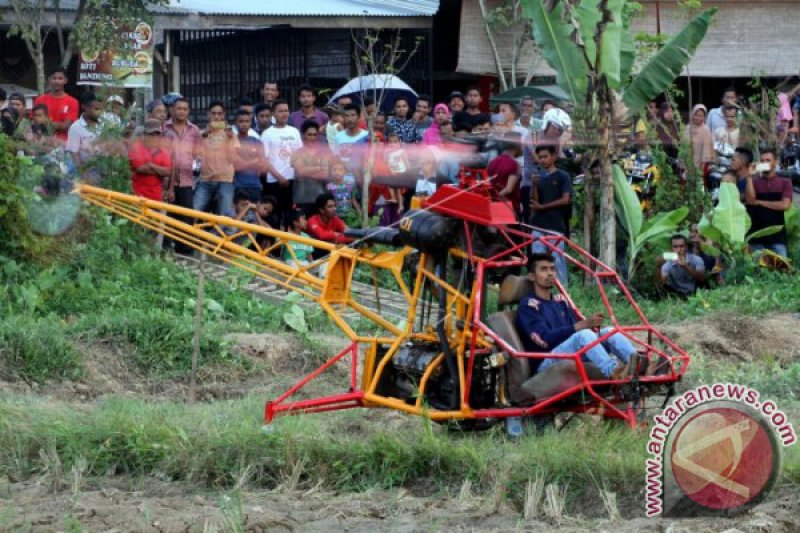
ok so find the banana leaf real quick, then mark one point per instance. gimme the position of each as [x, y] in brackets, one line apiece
[707, 230]
[764, 232]
[667, 64]
[661, 224]
[629, 211]
[627, 46]
[587, 17]
[554, 37]
[730, 216]
[616, 46]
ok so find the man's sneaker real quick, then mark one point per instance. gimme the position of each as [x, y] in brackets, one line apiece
[514, 426]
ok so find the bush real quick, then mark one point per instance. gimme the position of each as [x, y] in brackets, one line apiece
[37, 349]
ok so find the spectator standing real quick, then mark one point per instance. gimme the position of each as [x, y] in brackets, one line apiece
[551, 202]
[310, 163]
[700, 136]
[472, 114]
[335, 125]
[504, 171]
[263, 117]
[62, 108]
[250, 162]
[527, 112]
[726, 138]
[422, 114]
[682, 275]
[307, 96]
[280, 141]
[270, 93]
[217, 149]
[82, 133]
[150, 162]
[351, 141]
[456, 102]
[716, 117]
[741, 166]
[768, 197]
[401, 123]
[184, 137]
[667, 129]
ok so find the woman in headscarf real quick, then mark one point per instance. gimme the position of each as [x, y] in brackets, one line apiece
[433, 135]
[667, 129]
[700, 137]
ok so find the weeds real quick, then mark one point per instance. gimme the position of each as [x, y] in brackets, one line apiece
[37, 349]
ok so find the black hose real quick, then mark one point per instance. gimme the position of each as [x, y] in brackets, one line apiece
[441, 272]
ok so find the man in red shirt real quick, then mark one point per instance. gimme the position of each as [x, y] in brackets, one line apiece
[504, 170]
[62, 109]
[325, 225]
[150, 162]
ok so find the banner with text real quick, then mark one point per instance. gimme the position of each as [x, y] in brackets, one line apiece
[130, 67]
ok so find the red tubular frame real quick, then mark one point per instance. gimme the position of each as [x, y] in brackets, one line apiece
[611, 406]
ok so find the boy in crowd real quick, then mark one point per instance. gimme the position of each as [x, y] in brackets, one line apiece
[325, 225]
[250, 161]
[83, 133]
[342, 187]
[63, 108]
[218, 149]
[301, 253]
[263, 117]
[280, 141]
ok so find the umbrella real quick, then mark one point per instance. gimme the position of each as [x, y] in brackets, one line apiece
[538, 92]
[375, 85]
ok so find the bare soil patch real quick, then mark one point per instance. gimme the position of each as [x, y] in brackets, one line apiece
[730, 336]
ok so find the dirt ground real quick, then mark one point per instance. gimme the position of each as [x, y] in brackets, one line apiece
[124, 504]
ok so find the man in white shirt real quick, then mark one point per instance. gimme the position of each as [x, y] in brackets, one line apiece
[726, 138]
[716, 118]
[82, 133]
[280, 141]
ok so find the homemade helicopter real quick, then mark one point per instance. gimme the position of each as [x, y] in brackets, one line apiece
[457, 356]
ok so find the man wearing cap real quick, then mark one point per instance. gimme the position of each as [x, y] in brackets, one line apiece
[150, 162]
[456, 102]
[472, 115]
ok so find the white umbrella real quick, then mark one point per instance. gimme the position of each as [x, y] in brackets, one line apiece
[375, 85]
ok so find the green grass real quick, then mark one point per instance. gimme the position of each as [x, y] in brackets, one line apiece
[36, 348]
[212, 445]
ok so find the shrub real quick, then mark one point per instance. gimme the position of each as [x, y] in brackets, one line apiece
[37, 349]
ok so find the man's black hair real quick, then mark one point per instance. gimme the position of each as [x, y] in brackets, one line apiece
[2, 94]
[297, 214]
[770, 150]
[258, 108]
[307, 88]
[472, 88]
[545, 148]
[535, 258]
[242, 112]
[680, 236]
[322, 200]
[43, 107]
[16, 96]
[239, 196]
[425, 97]
[550, 102]
[352, 106]
[181, 99]
[368, 100]
[729, 90]
[514, 109]
[461, 126]
[746, 154]
[308, 124]
[87, 99]
[277, 102]
[403, 98]
[245, 100]
[57, 70]
[216, 103]
[729, 107]
[268, 199]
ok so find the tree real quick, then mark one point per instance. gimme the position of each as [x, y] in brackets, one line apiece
[507, 19]
[376, 53]
[95, 26]
[590, 46]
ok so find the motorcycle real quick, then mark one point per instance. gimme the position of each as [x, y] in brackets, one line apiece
[643, 175]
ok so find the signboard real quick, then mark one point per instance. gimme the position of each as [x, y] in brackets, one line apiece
[130, 67]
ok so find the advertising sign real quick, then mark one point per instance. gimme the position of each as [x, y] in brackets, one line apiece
[130, 67]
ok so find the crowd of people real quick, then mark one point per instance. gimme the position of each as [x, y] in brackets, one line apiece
[302, 168]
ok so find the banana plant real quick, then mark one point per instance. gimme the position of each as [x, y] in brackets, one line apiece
[728, 223]
[589, 43]
[639, 232]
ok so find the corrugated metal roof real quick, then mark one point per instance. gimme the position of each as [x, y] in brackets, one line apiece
[298, 8]
[305, 8]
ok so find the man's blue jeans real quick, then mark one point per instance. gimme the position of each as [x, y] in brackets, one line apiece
[561, 264]
[778, 248]
[205, 192]
[617, 344]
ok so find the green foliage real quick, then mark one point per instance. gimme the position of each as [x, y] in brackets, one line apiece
[667, 63]
[18, 239]
[639, 233]
[99, 25]
[36, 348]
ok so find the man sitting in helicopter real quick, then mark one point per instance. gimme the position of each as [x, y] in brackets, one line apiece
[547, 323]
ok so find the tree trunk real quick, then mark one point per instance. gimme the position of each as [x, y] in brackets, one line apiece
[38, 60]
[608, 219]
[497, 61]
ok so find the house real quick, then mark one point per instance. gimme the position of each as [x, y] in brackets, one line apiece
[225, 50]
